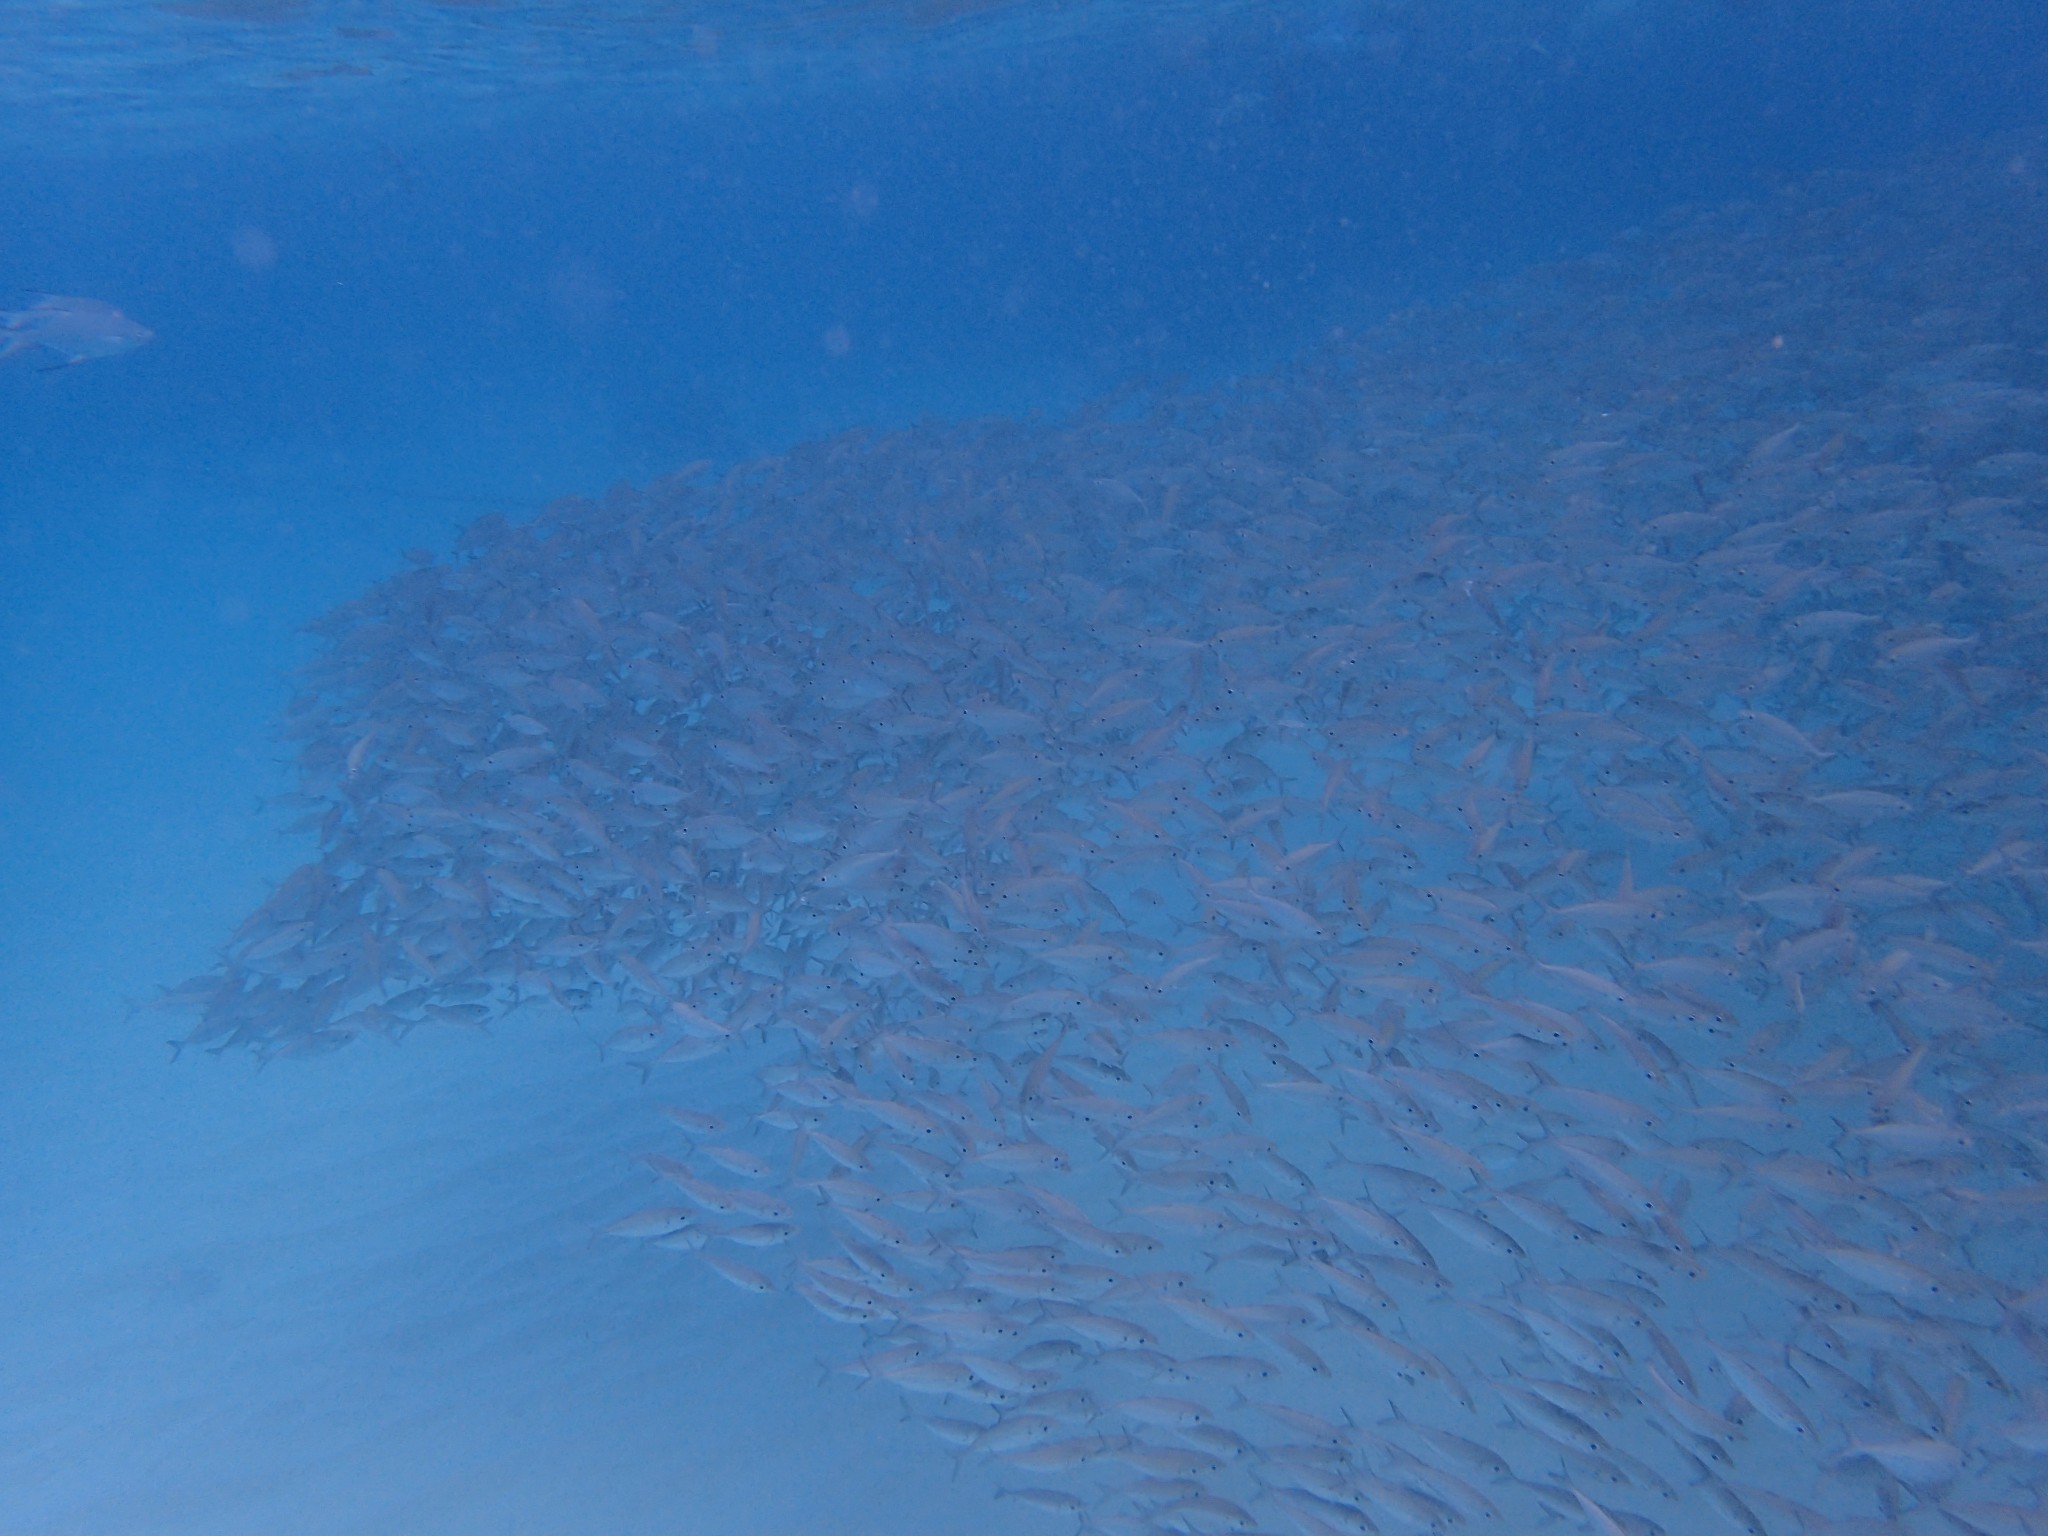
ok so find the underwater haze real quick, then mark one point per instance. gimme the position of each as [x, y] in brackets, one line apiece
[972, 766]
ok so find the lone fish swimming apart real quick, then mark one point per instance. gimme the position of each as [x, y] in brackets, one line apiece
[75, 329]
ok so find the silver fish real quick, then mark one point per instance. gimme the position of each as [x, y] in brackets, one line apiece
[76, 330]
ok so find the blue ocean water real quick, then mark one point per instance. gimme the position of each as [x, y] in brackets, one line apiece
[1267, 619]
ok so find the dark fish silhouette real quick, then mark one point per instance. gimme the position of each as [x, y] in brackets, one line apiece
[75, 329]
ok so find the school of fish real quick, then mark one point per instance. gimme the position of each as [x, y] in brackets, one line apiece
[1447, 940]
